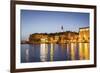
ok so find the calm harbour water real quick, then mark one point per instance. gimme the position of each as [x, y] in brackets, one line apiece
[54, 52]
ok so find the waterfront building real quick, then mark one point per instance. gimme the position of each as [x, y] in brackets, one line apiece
[62, 37]
[84, 34]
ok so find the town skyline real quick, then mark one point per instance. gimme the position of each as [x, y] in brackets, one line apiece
[33, 21]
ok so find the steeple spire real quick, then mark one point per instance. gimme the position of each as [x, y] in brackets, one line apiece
[62, 28]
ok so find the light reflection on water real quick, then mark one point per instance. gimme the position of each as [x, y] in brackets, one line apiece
[43, 52]
[54, 52]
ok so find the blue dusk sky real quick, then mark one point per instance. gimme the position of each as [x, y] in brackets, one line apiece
[33, 21]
